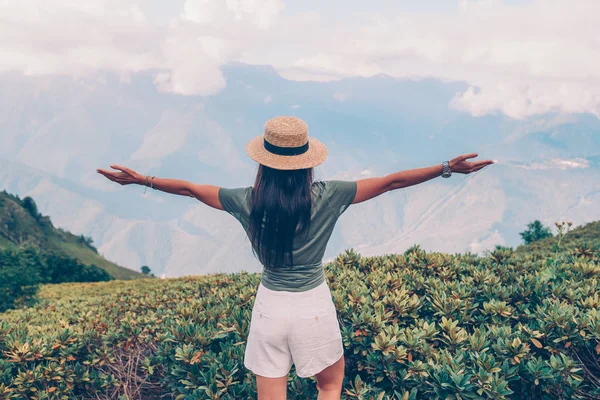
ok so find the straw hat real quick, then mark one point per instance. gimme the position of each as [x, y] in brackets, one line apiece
[286, 145]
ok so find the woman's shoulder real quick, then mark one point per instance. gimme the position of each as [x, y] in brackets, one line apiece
[333, 186]
[337, 193]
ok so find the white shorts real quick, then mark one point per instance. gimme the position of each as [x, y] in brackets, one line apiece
[299, 328]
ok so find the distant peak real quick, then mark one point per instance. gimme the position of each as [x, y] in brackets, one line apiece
[264, 68]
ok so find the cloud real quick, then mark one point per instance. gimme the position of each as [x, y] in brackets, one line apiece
[259, 13]
[539, 57]
[558, 163]
[82, 37]
[519, 60]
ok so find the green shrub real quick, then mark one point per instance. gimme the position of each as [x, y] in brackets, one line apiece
[23, 269]
[20, 276]
[29, 204]
[535, 231]
[415, 326]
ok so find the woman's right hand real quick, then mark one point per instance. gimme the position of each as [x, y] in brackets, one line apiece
[127, 176]
[460, 165]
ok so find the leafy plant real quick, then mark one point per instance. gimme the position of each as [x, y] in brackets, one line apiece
[513, 324]
[535, 231]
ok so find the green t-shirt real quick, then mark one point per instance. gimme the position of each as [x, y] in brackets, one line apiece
[330, 200]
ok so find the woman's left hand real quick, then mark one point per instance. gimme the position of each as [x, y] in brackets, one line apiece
[127, 176]
[460, 165]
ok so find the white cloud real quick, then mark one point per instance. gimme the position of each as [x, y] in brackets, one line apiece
[80, 37]
[557, 163]
[524, 60]
[267, 99]
[538, 57]
[570, 164]
[257, 12]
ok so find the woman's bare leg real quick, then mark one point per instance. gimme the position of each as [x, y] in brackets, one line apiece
[271, 388]
[330, 380]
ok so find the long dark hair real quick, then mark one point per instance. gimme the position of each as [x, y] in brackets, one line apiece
[281, 206]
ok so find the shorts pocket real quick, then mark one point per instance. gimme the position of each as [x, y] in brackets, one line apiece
[320, 322]
[323, 308]
[261, 308]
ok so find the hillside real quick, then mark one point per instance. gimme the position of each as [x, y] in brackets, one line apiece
[582, 237]
[418, 325]
[22, 224]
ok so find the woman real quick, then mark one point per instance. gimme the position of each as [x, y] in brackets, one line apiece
[289, 219]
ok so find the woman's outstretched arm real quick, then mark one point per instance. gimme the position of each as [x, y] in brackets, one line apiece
[208, 194]
[369, 188]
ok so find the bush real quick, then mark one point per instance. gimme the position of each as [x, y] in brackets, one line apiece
[19, 276]
[535, 231]
[22, 270]
[29, 204]
[87, 241]
[59, 268]
[414, 326]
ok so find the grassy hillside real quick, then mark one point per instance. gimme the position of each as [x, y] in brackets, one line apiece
[414, 326]
[21, 224]
[585, 237]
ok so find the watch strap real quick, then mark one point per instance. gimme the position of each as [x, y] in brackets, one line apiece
[446, 172]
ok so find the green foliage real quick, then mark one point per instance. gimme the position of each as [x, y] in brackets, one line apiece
[509, 325]
[145, 270]
[582, 241]
[22, 270]
[21, 224]
[535, 231]
[20, 276]
[87, 241]
[29, 204]
[59, 269]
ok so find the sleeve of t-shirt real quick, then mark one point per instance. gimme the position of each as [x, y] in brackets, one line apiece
[236, 201]
[340, 195]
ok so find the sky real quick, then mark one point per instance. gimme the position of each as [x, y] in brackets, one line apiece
[519, 57]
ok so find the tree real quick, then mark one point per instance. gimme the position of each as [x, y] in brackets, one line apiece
[535, 231]
[145, 270]
[31, 207]
[19, 276]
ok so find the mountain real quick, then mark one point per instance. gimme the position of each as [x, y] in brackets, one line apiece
[57, 130]
[22, 224]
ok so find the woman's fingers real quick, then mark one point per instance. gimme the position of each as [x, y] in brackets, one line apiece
[112, 176]
[466, 167]
[467, 156]
[105, 173]
[480, 164]
[121, 168]
[483, 163]
[108, 174]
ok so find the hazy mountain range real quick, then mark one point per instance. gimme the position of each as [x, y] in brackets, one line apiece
[55, 131]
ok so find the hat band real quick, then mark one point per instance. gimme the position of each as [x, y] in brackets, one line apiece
[285, 151]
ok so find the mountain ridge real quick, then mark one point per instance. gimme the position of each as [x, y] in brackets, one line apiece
[548, 165]
[22, 225]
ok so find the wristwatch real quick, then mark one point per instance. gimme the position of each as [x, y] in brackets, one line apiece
[446, 173]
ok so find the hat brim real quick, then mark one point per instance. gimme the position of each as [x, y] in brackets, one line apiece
[316, 154]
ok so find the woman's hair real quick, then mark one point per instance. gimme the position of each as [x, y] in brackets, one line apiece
[281, 206]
